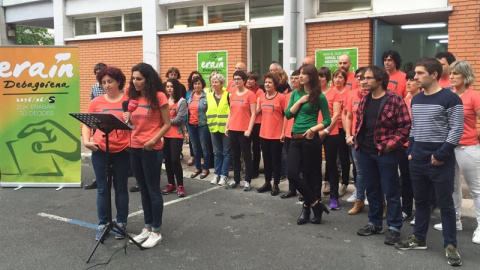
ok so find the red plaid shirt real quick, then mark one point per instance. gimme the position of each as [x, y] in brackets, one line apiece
[393, 123]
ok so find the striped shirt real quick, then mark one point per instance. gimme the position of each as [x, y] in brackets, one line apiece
[437, 125]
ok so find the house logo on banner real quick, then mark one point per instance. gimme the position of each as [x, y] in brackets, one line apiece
[39, 142]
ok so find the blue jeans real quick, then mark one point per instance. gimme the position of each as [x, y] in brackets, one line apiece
[222, 153]
[359, 184]
[425, 176]
[381, 174]
[146, 166]
[120, 168]
[199, 136]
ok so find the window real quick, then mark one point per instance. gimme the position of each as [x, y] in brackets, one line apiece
[185, 17]
[226, 13]
[265, 9]
[344, 5]
[86, 26]
[111, 24]
[133, 22]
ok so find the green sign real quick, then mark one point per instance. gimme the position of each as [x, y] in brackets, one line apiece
[39, 141]
[329, 58]
[212, 61]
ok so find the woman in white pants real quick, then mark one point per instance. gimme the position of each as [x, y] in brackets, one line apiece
[467, 153]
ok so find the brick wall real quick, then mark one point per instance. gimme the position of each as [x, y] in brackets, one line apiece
[181, 50]
[123, 53]
[342, 34]
[464, 33]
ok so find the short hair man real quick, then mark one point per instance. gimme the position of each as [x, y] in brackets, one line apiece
[238, 66]
[274, 67]
[309, 60]
[437, 127]
[382, 128]
[392, 63]
[97, 89]
[344, 64]
[445, 59]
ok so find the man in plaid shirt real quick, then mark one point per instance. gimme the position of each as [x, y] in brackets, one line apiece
[382, 128]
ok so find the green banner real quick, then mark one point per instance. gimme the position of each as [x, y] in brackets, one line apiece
[329, 58]
[39, 141]
[212, 61]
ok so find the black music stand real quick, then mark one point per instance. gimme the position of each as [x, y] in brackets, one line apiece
[106, 123]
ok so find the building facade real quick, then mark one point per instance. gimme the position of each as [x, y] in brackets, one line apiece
[166, 33]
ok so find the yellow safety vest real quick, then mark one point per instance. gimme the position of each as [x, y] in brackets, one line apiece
[217, 115]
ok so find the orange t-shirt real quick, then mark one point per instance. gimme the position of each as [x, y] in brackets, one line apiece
[272, 116]
[174, 132]
[351, 81]
[445, 83]
[471, 103]
[398, 83]
[289, 124]
[351, 106]
[240, 110]
[117, 139]
[332, 96]
[259, 94]
[147, 122]
[193, 110]
[342, 98]
[230, 85]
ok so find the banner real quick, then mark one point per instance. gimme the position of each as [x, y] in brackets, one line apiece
[329, 58]
[39, 141]
[212, 61]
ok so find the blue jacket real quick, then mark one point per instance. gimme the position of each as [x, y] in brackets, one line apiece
[202, 109]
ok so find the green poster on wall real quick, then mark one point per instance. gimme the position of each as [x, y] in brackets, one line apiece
[212, 61]
[39, 141]
[329, 58]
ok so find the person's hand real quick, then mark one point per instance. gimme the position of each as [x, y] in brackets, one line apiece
[304, 99]
[309, 134]
[247, 133]
[148, 145]
[91, 145]
[226, 132]
[388, 149]
[126, 116]
[349, 140]
[409, 157]
[282, 137]
[323, 135]
[437, 162]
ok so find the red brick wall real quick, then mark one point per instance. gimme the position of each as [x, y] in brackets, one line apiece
[464, 33]
[123, 53]
[342, 34]
[180, 50]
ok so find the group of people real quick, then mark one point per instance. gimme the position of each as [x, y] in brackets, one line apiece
[421, 124]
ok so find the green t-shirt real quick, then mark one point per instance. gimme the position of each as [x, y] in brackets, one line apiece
[307, 116]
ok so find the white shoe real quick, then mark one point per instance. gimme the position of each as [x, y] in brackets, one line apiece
[353, 197]
[412, 222]
[223, 180]
[152, 240]
[215, 179]
[439, 226]
[366, 201]
[246, 187]
[476, 236]
[142, 236]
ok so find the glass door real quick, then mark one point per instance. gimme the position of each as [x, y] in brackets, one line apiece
[266, 48]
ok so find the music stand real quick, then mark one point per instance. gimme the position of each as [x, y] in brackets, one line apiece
[106, 123]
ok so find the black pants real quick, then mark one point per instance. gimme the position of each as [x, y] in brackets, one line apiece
[304, 156]
[255, 137]
[406, 183]
[330, 144]
[291, 185]
[172, 149]
[272, 159]
[344, 155]
[241, 146]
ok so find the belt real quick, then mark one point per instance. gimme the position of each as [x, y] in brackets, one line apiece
[297, 136]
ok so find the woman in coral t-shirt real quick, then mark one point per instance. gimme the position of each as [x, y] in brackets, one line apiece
[271, 105]
[239, 128]
[112, 80]
[151, 120]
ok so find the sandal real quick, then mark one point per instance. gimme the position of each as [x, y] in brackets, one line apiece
[195, 173]
[204, 174]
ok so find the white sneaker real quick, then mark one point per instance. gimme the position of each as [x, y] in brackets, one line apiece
[366, 201]
[476, 236]
[142, 236]
[439, 226]
[152, 240]
[353, 197]
[223, 180]
[412, 222]
[215, 179]
[246, 187]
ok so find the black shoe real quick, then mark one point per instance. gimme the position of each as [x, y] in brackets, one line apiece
[369, 230]
[93, 185]
[301, 198]
[289, 194]
[304, 215]
[391, 237]
[275, 190]
[134, 189]
[266, 187]
[318, 210]
[255, 175]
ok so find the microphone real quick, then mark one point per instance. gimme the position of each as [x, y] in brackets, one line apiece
[129, 106]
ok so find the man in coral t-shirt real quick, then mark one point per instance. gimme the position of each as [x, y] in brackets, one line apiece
[446, 59]
[345, 64]
[392, 63]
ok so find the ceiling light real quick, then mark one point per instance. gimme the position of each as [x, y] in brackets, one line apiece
[438, 37]
[280, 41]
[424, 25]
[443, 41]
